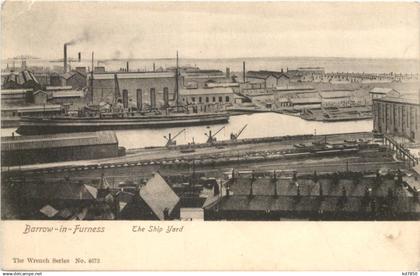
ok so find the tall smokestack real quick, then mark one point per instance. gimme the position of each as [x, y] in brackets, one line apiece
[80, 56]
[128, 67]
[244, 72]
[154, 67]
[65, 58]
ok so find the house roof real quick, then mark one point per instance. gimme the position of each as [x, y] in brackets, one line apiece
[158, 195]
[58, 140]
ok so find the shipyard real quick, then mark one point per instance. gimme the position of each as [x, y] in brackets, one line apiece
[97, 133]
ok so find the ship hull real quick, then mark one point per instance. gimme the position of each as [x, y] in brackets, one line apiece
[33, 126]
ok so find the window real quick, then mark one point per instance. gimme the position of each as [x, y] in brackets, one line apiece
[207, 99]
[152, 97]
[139, 99]
[165, 97]
[227, 99]
[214, 99]
[193, 99]
[199, 99]
[220, 99]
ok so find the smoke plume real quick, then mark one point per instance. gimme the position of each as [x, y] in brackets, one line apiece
[85, 36]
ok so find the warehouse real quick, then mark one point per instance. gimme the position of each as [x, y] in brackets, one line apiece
[398, 116]
[22, 150]
[146, 89]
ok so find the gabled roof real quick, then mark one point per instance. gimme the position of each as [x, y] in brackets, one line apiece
[158, 195]
[69, 75]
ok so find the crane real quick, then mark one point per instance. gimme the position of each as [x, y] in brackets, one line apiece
[234, 136]
[171, 140]
[212, 137]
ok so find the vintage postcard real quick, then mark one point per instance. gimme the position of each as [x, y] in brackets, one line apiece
[210, 136]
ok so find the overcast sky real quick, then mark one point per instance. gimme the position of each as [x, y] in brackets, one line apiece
[210, 30]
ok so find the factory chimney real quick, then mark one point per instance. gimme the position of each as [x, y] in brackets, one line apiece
[65, 58]
[244, 72]
[80, 56]
[275, 184]
[128, 67]
[154, 67]
[227, 73]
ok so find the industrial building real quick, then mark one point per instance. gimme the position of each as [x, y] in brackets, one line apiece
[336, 98]
[271, 79]
[146, 89]
[75, 79]
[20, 150]
[398, 116]
[200, 78]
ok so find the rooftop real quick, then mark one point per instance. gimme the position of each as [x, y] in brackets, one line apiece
[58, 140]
[159, 196]
[133, 75]
[206, 91]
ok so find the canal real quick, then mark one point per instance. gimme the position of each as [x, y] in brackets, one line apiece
[258, 125]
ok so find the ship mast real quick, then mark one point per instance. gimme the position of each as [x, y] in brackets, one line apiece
[176, 83]
[91, 81]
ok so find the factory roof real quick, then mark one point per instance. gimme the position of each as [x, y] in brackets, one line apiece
[68, 94]
[69, 75]
[381, 90]
[263, 74]
[58, 140]
[335, 94]
[305, 100]
[133, 75]
[57, 88]
[158, 195]
[405, 97]
[294, 88]
[206, 91]
[14, 91]
[32, 108]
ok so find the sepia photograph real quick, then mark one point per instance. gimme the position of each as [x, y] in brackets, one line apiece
[237, 132]
[210, 111]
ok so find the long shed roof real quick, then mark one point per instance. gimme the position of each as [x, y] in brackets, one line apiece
[58, 140]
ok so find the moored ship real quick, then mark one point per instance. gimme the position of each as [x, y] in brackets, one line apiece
[63, 124]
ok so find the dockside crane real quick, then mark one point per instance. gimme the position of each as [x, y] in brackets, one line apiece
[234, 136]
[171, 140]
[212, 137]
